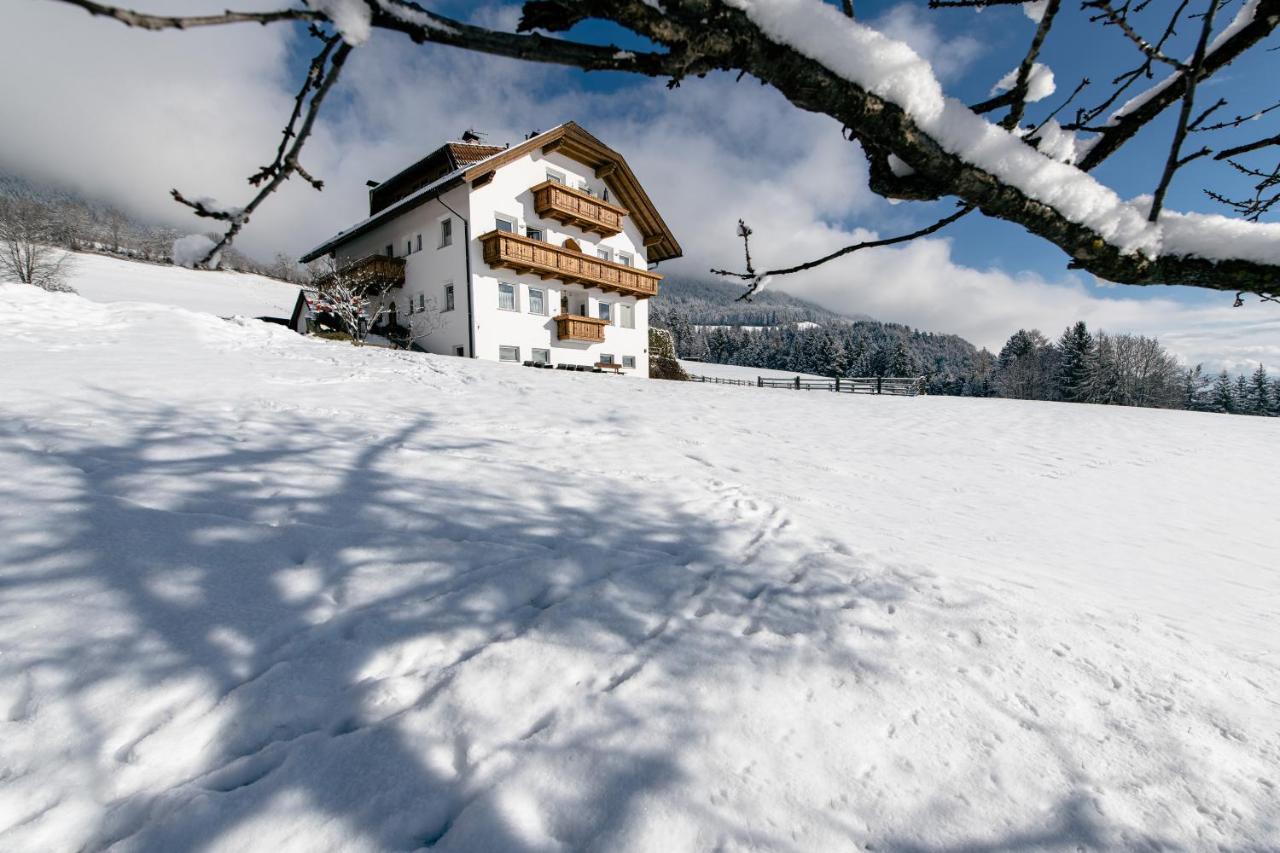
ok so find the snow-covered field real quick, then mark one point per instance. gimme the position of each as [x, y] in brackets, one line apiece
[226, 294]
[265, 592]
[733, 371]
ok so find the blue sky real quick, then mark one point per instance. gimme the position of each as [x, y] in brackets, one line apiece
[139, 113]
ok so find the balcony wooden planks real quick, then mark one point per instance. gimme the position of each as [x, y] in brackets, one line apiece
[568, 206]
[372, 272]
[571, 327]
[504, 250]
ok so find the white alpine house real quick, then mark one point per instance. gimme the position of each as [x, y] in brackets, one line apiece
[536, 252]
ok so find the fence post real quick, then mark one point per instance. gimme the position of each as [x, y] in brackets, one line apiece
[759, 381]
[879, 384]
[837, 384]
[797, 383]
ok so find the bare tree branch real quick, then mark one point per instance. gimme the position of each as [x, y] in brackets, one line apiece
[758, 279]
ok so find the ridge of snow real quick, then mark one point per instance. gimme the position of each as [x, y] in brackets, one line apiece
[892, 70]
[352, 18]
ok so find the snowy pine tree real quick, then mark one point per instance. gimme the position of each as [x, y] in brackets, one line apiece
[1258, 399]
[1223, 397]
[1075, 348]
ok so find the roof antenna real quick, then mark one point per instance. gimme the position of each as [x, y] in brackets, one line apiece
[472, 135]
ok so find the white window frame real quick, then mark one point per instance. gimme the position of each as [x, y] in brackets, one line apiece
[446, 232]
[509, 220]
[607, 358]
[542, 294]
[625, 259]
[515, 295]
[626, 315]
[516, 349]
[603, 253]
[630, 358]
[542, 233]
[604, 311]
[544, 358]
[448, 297]
[558, 177]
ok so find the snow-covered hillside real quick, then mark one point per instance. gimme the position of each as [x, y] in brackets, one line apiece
[273, 593]
[226, 294]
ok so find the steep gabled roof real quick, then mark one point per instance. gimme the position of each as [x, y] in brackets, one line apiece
[568, 139]
[572, 141]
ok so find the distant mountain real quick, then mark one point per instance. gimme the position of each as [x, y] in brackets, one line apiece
[710, 302]
[777, 331]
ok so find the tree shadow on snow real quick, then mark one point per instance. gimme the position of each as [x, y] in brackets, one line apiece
[346, 624]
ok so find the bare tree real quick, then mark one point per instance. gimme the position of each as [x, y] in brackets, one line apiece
[28, 255]
[920, 145]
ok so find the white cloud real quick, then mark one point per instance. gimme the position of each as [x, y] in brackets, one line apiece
[950, 54]
[128, 114]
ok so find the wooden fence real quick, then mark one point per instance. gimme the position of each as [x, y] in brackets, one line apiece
[897, 386]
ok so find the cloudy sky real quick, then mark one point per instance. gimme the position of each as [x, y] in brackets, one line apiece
[125, 115]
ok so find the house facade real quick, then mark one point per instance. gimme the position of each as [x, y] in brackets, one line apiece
[533, 252]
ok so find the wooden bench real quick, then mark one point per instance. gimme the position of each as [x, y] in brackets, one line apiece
[608, 365]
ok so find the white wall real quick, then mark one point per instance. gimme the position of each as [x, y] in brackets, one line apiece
[508, 193]
[427, 271]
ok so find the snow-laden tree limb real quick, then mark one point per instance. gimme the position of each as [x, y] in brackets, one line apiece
[824, 60]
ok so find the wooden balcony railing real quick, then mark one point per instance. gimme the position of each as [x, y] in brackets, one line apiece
[512, 251]
[571, 327]
[574, 207]
[373, 272]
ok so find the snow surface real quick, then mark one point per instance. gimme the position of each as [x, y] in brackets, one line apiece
[226, 294]
[893, 71]
[267, 592]
[1040, 82]
[734, 371]
[191, 250]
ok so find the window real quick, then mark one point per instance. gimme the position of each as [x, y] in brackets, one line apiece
[446, 232]
[629, 362]
[606, 358]
[448, 297]
[459, 351]
[542, 356]
[604, 253]
[391, 251]
[507, 297]
[408, 247]
[508, 353]
[624, 259]
[422, 302]
[604, 311]
[626, 315]
[604, 194]
[553, 175]
[533, 233]
[505, 223]
[537, 301]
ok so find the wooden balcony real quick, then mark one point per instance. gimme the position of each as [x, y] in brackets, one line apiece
[370, 273]
[514, 252]
[571, 327]
[574, 207]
